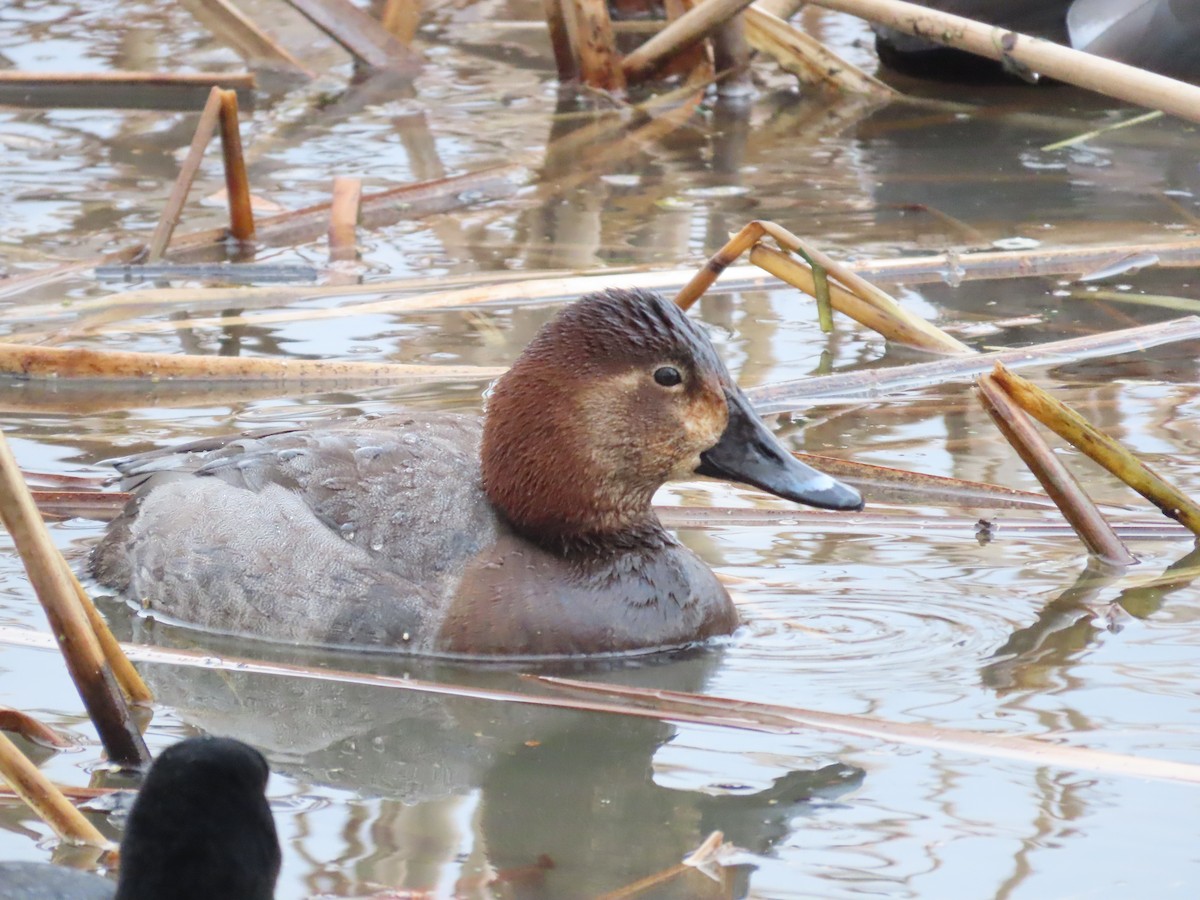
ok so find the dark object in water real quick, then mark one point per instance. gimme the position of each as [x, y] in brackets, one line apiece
[199, 829]
[1157, 35]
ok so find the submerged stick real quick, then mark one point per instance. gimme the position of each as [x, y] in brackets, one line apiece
[205, 128]
[1076, 506]
[237, 183]
[1113, 79]
[71, 792]
[1101, 448]
[672, 706]
[82, 651]
[62, 363]
[45, 799]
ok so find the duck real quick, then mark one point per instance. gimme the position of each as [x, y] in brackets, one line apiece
[1157, 35]
[199, 828]
[527, 534]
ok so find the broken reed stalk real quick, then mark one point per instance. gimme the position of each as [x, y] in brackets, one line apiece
[17, 722]
[205, 128]
[237, 183]
[807, 58]
[45, 799]
[886, 315]
[694, 25]
[1076, 506]
[343, 219]
[240, 32]
[560, 39]
[361, 36]
[90, 670]
[590, 27]
[130, 682]
[1084, 70]
[1101, 448]
[97, 365]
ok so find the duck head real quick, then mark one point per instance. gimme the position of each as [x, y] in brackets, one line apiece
[618, 394]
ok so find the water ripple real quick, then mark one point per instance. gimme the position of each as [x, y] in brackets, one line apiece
[871, 637]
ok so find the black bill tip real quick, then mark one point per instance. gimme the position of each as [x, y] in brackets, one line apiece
[748, 453]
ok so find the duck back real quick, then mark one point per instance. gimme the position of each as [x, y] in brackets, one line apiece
[344, 535]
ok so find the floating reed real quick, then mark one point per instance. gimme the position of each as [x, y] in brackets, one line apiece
[101, 365]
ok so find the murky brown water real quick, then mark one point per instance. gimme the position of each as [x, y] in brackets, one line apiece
[432, 793]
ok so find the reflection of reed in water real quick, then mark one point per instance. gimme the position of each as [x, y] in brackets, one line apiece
[1042, 653]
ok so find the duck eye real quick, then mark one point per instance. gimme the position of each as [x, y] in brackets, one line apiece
[668, 376]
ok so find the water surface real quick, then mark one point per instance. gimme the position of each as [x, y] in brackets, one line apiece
[377, 788]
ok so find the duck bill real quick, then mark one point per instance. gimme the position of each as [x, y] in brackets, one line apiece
[749, 453]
